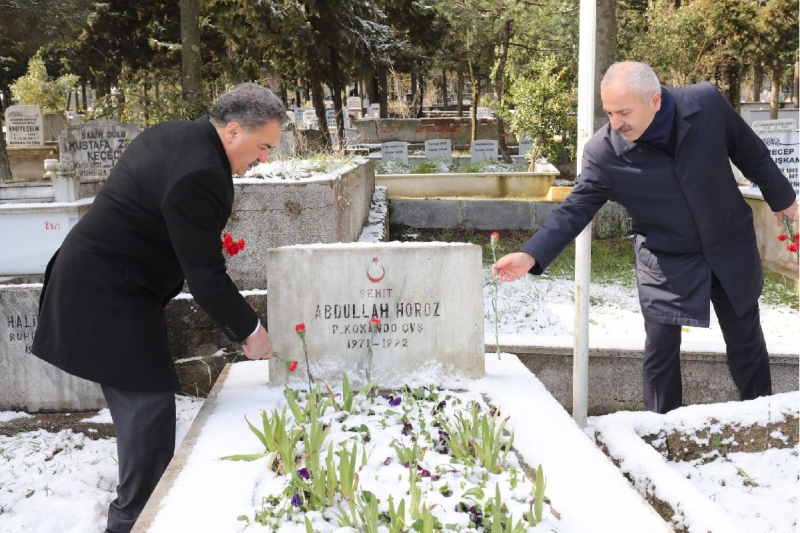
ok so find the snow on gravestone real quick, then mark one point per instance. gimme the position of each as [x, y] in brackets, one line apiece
[24, 125]
[783, 142]
[93, 148]
[428, 316]
[394, 150]
[439, 149]
[483, 150]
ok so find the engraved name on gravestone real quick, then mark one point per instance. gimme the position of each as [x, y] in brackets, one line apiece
[330, 116]
[428, 315]
[24, 125]
[483, 112]
[525, 144]
[93, 148]
[354, 102]
[483, 150]
[395, 150]
[783, 142]
[439, 149]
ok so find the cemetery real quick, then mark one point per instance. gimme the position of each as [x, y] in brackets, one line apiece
[409, 388]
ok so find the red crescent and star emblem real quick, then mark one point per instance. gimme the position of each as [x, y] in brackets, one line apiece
[372, 271]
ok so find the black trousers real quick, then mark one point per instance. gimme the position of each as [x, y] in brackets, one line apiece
[145, 426]
[748, 360]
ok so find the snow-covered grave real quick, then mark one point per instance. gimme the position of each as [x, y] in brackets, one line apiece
[403, 322]
[203, 492]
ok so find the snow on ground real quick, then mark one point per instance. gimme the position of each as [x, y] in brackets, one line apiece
[65, 481]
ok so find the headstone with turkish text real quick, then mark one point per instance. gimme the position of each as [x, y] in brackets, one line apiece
[483, 112]
[783, 142]
[24, 125]
[93, 148]
[330, 116]
[394, 150]
[428, 317]
[310, 118]
[439, 149]
[483, 150]
[354, 102]
[525, 144]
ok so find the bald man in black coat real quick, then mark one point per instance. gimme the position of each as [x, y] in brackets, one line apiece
[664, 156]
[156, 222]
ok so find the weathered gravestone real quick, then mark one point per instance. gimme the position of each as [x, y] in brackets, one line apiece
[394, 150]
[298, 115]
[354, 102]
[783, 142]
[483, 150]
[439, 149]
[24, 125]
[483, 112]
[94, 147]
[428, 298]
[525, 144]
[310, 119]
[29, 383]
[330, 117]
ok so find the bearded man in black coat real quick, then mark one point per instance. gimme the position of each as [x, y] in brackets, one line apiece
[664, 156]
[156, 222]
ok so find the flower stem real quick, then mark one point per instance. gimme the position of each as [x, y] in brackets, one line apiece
[495, 281]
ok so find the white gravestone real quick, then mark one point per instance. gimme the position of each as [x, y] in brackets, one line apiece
[783, 142]
[394, 150]
[439, 149]
[483, 150]
[298, 115]
[94, 147]
[330, 117]
[24, 125]
[483, 112]
[428, 316]
[374, 110]
[525, 144]
[354, 102]
[310, 119]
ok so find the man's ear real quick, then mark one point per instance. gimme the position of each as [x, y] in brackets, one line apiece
[231, 131]
[655, 100]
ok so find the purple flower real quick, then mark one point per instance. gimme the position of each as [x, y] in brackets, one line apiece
[367, 438]
[405, 464]
[297, 500]
[394, 401]
[303, 472]
[387, 461]
[407, 427]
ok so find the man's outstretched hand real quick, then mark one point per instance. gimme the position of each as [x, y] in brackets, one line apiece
[258, 345]
[511, 267]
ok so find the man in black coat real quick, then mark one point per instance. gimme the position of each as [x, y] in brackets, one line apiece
[156, 222]
[664, 156]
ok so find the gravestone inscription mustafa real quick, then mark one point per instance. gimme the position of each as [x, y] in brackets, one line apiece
[94, 148]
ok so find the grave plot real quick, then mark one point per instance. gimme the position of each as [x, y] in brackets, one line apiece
[719, 467]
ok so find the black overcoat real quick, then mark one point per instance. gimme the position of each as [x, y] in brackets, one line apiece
[686, 210]
[157, 219]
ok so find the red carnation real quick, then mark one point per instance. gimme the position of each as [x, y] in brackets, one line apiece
[495, 235]
[299, 328]
[293, 366]
[782, 237]
[375, 320]
[796, 237]
[793, 247]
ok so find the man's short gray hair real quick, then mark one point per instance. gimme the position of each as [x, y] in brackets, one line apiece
[639, 77]
[249, 104]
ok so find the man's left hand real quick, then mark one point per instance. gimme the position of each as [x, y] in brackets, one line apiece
[790, 212]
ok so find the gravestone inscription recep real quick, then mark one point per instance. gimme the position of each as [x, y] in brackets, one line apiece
[783, 142]
[428, 298]
[93, 148]
[439, 149]
[394, 150]
[483, 150]
[24, 125]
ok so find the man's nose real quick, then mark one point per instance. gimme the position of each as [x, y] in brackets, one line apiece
[616, 123]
